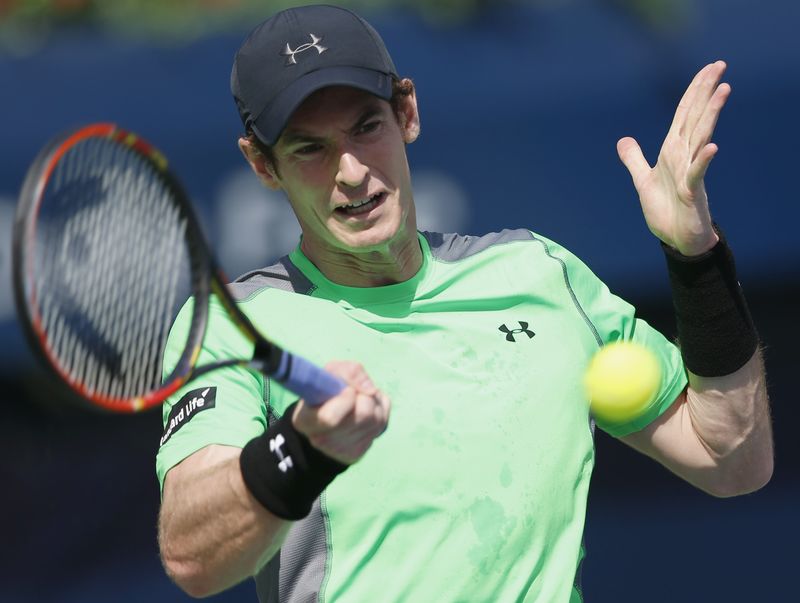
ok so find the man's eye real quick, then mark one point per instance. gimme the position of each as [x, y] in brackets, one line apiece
[308, 149]
[368, 127]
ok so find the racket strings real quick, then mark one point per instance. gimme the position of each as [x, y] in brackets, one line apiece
[111, 265]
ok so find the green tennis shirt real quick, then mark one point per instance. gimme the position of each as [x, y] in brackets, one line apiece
[477, 490]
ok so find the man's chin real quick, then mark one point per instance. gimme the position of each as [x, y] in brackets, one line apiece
[376, 238]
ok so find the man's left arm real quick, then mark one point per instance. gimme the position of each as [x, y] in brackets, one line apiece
[717, 435]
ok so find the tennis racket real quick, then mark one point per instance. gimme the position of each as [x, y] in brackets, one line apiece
[107, 248]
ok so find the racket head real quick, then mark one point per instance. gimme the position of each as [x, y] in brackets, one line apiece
[106, 248]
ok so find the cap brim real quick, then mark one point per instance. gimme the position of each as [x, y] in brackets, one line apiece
[269, 125]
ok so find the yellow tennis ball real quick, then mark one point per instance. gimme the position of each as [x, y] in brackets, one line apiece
[621, 381]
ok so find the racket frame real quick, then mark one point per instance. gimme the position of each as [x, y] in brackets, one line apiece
[206, 276]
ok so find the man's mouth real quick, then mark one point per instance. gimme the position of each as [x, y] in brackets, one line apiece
[362, 206]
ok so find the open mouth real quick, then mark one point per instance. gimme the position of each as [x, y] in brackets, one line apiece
[362, 206]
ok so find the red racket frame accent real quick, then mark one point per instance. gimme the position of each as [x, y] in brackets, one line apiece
[27, 215]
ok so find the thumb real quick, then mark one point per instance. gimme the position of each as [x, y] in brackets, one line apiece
[631, 156]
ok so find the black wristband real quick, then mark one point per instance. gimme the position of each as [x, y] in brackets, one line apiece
[715, 330]
[284, 472]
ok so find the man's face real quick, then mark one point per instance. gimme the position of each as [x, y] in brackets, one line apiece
[342, 163]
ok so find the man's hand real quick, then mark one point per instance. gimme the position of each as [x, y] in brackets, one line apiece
[345, 426]
[672, 194]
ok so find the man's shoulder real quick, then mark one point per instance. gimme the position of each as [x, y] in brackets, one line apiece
[281, 275]
[453, 247]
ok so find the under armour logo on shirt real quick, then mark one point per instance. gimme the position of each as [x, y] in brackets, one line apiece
[288, 52]
[284, 462]
[523, 328]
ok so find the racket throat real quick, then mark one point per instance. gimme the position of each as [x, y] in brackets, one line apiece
[270, 360]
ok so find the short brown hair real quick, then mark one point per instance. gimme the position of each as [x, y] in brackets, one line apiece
[400, 89]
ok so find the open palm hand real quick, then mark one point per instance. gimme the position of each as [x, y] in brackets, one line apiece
[673, 194]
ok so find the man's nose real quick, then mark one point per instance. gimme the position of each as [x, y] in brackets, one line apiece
[351, 172]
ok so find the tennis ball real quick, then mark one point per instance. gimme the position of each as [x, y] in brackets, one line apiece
[621, 381]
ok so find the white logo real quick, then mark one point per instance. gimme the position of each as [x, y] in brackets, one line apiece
[187, 407]
[288, 52]
[275, 446]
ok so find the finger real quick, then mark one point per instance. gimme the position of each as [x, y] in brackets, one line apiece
[699, 167]
[368, 418]
[704, 129]
[381, 410]
[705, 90]
[686, 101]
[366, 421]
[386, 410]
[385, 404]
[367, 409]
[353, 373]
[318, 419]
[632, 158]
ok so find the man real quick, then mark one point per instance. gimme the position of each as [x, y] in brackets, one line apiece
[476, 489]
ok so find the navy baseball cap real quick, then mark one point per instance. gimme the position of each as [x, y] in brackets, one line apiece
[298, 51]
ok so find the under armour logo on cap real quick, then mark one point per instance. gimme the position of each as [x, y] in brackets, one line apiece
[523, 328]
[286, 58]
[288, 52]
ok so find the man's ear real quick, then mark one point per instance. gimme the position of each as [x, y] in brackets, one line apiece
[408, 114]
[260, 164]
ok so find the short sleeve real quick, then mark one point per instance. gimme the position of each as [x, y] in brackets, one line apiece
[614, 319]
[226, 406]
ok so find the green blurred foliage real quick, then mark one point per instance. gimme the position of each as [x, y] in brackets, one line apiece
[24, 24]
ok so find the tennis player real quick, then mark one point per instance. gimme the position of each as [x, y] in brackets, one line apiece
[476, 488]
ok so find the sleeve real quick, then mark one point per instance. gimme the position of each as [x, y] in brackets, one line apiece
[226, 406]
[612, 319]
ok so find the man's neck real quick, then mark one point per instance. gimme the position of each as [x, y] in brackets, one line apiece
[375, 268]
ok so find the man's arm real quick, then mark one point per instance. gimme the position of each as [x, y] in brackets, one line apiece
[717, 435]
[213, 532]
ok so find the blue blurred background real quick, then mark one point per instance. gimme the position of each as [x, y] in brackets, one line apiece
[521, 104]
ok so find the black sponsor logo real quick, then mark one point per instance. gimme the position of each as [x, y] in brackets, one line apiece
[523, 328]
[187, 407]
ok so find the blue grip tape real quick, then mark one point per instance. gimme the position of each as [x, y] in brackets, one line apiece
[308, 381]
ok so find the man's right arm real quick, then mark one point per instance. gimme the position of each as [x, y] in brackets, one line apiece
[213, 533]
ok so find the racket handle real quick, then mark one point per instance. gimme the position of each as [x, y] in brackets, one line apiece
[306, 379]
